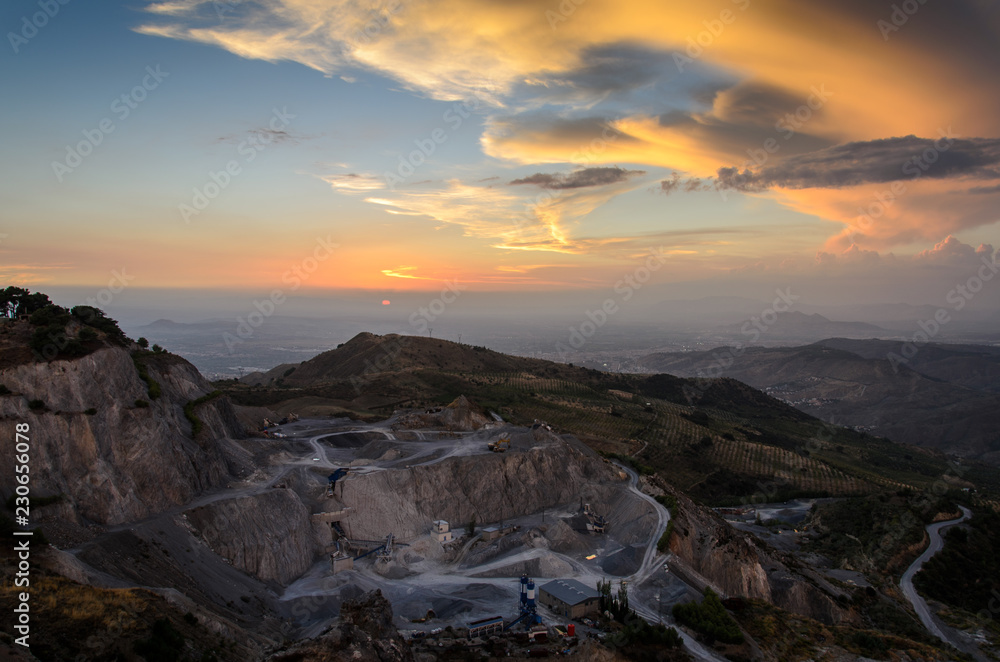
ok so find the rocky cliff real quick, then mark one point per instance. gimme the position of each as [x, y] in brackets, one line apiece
[365, 633]
[737, 564]
[490, 488]
[100, 438]
[268, 535]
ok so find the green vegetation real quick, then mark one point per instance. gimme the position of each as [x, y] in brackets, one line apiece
[669, 502]
[718, 441]
[18, 302]
[877, 534]
[36, 405]
[152, 386]
[189, 411]
[141, 404]
[90, 412]
[639, 640]
[710, 619]
[164, 644]
[966, 573]
[470, 527]
[629, 461]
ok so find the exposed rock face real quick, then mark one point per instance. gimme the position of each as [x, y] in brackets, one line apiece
[364, 634]
[490, 488]
[735, 563]
[459, 415]
[125, 461]
[268, 535]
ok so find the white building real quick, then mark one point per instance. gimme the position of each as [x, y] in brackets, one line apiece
[443, 531]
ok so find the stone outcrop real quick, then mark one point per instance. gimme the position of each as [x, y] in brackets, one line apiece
[459, 415]
[489, 488]
[737, 564]
[268, 535]
[365, 633]
[115, 453]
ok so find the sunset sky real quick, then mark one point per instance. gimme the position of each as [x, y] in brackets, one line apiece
[509, 144]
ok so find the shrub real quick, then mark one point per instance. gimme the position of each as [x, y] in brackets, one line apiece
[710, 619]
[90, 412]
[141, 404]
[164, 644]
[152, 386]
[4, 390]
[143, 343]
[36, 405]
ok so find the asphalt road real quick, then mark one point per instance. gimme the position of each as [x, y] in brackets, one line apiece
[906, 583]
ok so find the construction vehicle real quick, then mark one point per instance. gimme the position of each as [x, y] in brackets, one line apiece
[500, 445]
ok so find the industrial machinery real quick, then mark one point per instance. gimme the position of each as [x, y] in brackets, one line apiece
[500, 445]
[595, 523]
[334, 477]
[526, 604]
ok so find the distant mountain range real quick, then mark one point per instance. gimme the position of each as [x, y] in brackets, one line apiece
[796, 324]
[944, 396]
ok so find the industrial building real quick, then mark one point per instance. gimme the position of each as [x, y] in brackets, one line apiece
[443, 531]
[569, 598]
[485, 627]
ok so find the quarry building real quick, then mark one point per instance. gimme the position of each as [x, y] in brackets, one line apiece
[569, 597]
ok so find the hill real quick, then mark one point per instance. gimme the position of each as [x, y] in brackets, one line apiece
[853, 383]
[798, 325]
[718, 439]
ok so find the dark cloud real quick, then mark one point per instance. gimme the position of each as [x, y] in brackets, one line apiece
[580, 178]
[751, 103]
[262, 136]
[875, 161]
[609, 69]
[675, 183]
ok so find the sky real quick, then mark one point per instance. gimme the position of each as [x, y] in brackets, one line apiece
[850, 146]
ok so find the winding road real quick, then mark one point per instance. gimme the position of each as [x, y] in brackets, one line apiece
[906, 583]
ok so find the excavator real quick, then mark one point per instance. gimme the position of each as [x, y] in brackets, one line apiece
[500, 445]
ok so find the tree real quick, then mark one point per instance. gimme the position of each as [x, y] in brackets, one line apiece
[143, 343]
[10, 298]
[157, 349]
[470, 528]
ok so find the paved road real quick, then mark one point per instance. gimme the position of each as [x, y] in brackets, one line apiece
[906, 583]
